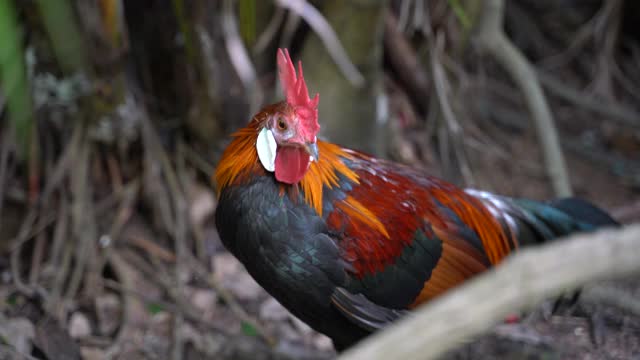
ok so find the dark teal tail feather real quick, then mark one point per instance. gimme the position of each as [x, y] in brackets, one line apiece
[561, 217]
[585, 211]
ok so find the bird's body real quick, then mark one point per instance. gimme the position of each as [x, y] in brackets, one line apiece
[348, 242]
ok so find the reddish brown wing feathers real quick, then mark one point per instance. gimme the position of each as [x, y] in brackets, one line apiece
[459, 261]
[393, 203]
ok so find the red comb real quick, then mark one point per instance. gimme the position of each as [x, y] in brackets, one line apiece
[295, 90]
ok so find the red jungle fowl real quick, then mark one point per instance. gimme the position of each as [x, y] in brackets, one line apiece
[348, 242]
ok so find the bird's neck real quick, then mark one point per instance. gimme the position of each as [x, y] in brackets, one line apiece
[240, 161]
[325, 172]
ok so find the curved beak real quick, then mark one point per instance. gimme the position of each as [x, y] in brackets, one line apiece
[312, 149]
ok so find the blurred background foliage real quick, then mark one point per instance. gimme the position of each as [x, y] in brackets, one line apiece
[114, 113]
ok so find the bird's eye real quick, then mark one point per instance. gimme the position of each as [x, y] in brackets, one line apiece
[282, 125]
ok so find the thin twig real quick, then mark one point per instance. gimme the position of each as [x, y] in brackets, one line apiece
[405, 63]
[123, 273]
[291, 24]
[4, 160]
[60, 232]
[56, 303]
[36, 258]
[129, 195]
[24, 234]
[602, 84]
[611, 110]
[240, 57]
[325, 32]
[180, 238]
[62, 166]
[83, 228]
[403, 16]
[604, 294]
[269, 32]
[455, 131]
[579, 40]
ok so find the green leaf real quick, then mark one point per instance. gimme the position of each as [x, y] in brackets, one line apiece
[461, 14]
[186, 28]
[154, 308]
[248, 329]
[12, 300]
[61, 26]
[13, 76]
[247, 19]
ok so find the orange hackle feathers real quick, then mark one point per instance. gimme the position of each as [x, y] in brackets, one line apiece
[324, 172]
[240, 158]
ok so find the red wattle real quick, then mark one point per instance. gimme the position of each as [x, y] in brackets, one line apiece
[291, 164]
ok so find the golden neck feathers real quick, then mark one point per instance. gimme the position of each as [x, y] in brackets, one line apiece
[240, 161]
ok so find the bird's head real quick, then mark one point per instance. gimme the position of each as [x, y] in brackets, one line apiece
[286, 143]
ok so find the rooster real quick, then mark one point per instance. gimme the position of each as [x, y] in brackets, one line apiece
[348, 242]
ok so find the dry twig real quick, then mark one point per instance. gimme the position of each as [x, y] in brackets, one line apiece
[321, 26]
[454, 130]
[405, 63]
[269, 32]
[611, 110]
[240, 58]
[604, 294]
[4, 159]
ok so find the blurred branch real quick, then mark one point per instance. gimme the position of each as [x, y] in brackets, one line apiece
[606, 294]
[627, 213]
[269, 33]
[186, 29]
[492, 39]
[611, 110]
[520, 282]
[240, 57]
[290, 26]
[405, 63]
[443, 95]
[321, 26]
[4, 168]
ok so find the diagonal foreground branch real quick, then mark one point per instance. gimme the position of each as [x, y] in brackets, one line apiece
[522, 281]
[492, 39]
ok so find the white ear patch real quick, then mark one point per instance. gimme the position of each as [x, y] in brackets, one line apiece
[266, 147]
